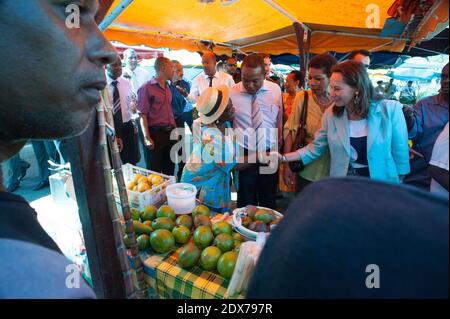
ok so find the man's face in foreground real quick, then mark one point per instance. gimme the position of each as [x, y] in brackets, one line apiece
[52, 90]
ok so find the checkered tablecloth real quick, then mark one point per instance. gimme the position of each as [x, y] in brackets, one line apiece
[174, 282]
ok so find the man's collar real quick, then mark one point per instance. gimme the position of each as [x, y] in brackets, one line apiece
[263, 88]
[109, 80]
[216, 75]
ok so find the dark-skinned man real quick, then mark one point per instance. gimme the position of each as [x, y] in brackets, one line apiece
[120, 94]
[51, 92]
[258, 105]
[157, 119]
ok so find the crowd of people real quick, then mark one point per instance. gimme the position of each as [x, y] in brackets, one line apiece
[347, 126]
[350, 127]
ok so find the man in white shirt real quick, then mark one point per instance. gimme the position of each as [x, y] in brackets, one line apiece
[137, 75]
[120, 94]
[439, 165]
[209, 78]
[258, 106]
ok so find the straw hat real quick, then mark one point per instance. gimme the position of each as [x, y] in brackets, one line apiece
[212, 103]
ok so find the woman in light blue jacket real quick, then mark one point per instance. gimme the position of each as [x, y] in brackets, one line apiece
[365, 137]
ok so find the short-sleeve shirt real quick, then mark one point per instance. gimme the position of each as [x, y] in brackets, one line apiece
[155, 103]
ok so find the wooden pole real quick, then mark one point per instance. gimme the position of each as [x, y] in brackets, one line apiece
[304, 46]
[90, 190]
[107, 117]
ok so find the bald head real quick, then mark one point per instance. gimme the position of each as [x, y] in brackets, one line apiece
[209, 63]
[164, 68]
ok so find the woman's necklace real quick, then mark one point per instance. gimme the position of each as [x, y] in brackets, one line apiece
[323, 101]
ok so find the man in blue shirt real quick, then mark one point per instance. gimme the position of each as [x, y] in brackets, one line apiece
[425, 124]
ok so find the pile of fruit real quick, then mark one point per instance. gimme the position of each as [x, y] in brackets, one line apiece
[210, 246]
[259, 220]
[141, 183]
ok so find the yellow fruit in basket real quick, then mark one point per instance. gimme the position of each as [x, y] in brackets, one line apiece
[137, 177]
[143, 180]
[131, 185]
[135, 188]
[157, 180]
[143, 187]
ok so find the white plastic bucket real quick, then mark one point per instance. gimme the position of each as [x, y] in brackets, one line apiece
[181, 197]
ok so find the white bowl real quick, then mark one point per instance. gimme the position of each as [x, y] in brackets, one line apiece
[238, 213]
[181, 197]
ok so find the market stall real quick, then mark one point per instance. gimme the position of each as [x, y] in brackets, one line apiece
[284, 26]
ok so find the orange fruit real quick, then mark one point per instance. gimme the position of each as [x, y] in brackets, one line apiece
[162, 241]
[226, 264]
[157, 180]
[143, 187]
[131, 185]
[209, 257]
[137, 177]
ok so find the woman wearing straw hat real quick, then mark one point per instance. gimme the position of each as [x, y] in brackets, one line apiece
[214, 151]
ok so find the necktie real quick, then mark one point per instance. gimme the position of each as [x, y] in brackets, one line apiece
[134, 82]
[117, 113]
[257, 122]
[116, 97]
[210, 81]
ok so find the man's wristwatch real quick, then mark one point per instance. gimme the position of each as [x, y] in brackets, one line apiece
[283, 158]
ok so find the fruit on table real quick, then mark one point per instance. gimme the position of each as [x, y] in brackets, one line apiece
[258, 226]
[188, 256]
[148, 213]
[131, 185]
[135, 214]
[276, 221]
[156, 179]
[143, 242]
[184, 220]
[203, 237]
[251, 211]
[224, 242]
[200, 210]
[162, 241]
[166, 211]
[148, 223]
[222, 228]
[238, 237]
[226, 264]
[201, 220]
[137, 177]
[143, 187]
[246, 221]
[181, 234]
[237, 246]
[140, 228]
[163, 223]
[209, 258]
[143, 180]
[263, 215]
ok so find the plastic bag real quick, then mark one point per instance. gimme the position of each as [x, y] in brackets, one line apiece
[245, 264]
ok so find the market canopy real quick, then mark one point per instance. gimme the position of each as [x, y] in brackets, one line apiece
[254, 25]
